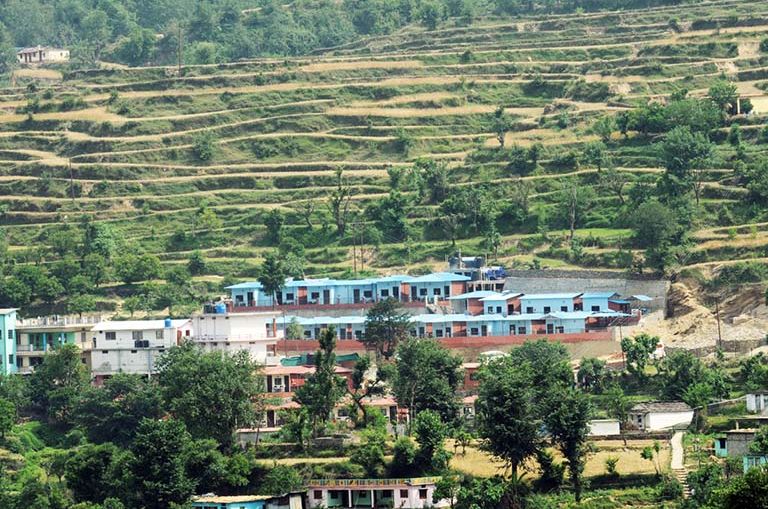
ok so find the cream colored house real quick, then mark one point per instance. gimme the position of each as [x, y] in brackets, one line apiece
[42, 55]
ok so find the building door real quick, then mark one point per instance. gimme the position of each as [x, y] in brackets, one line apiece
[550, 328]
[326, 296]
[356, 295]
[249, 298]
[396, 292]
[484, 330]
[414, 294]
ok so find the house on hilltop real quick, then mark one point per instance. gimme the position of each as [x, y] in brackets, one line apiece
[42, 55]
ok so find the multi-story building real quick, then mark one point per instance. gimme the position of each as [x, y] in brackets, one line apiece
[133, 346]
[218, 328]
[8, 340]
[37, 336]
[349, 292]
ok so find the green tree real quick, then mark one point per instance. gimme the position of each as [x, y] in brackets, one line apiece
[724, 95]
[567, 417]
[81, 304]
[272, 276]
[57, 383]
[550, 362]
[507, 412]
[362, 388]
[637, 352]
[132, 268]
[749, 490]
[427, 378]
[386, 326]
[294, 330]
[431, 13]
[112, 413]
[7, 416]
[685, 153]
[96, 472]
[323, 388]
[616, 403]
[430, 433]
[281, 479]
[220, 400]
[592, 374]
[705, 482]
[196, 264]
[158, 466]
[274, 223]
[369, 454]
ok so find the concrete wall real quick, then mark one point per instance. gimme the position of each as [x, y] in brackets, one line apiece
[664, 420]
[557, 281]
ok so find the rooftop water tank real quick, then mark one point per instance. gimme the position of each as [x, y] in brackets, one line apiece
[221, 308]
[168, 323]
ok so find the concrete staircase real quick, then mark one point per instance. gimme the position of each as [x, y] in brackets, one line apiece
[678, 464]
[681, 474]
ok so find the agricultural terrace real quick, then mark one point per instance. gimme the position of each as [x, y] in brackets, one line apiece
[531, 139]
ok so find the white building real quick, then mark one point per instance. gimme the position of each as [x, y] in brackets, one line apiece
[656, 416]
[255, 332]
[133, 346]
[401, 493]
[757, 403]
[42, 55]
[604, 427]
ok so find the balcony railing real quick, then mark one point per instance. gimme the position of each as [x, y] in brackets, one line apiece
[351, 483]
[234, 338]
[59, 321]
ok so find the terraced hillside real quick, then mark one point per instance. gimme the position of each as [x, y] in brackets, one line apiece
[500, 136]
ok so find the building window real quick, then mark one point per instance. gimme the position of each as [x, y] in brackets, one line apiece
[159, 334]
[436, 291]
[134, 351]
[423, 494]
[564, 309]
[110, 335]
[10, 359]
[105, 351]
[474, 331]
[317, 495]
[403, 493]
[315, 295]
[529, 309]
[10, 334]
[385, 293]
[498, 309]
[137, 335]
[547, 309]
[422, 291]
[368, 294]
[521, 330]
[595, 308]
[439, 333]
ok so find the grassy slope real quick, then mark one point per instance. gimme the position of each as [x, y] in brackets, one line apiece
[283, 127]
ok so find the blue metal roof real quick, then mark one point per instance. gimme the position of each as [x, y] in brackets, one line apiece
[619, 301]
[475, 295]
[599, 295]
[541, 296]
[440, 277]
[502, 296]
[642, 298]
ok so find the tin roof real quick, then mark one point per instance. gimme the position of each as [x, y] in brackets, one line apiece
[662, 407]
[541, 296]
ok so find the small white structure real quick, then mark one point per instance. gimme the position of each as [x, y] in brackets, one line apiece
[133, 346]
[413, 493]
[604, 427]
[661, 415]
[42, 55]
[757, 402]
[253, 331]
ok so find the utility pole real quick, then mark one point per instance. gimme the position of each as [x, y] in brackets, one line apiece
[354, 253]
[362, 239]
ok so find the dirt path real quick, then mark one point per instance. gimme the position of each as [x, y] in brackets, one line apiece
[678, 452]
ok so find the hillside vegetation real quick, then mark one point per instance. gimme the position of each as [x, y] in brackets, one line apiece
[599, 140]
